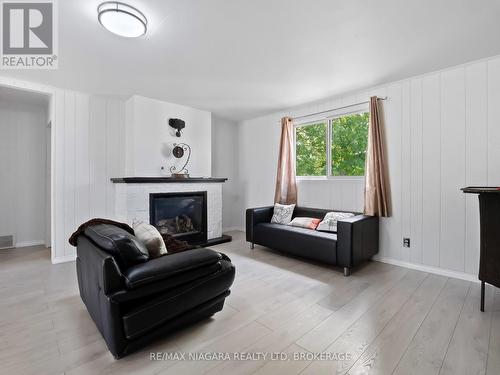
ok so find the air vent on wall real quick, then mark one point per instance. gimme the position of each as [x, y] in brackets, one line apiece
[6, 242]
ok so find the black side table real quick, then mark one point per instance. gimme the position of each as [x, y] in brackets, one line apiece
[489, 213]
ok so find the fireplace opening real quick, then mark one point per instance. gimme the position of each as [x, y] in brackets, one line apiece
[181, 215]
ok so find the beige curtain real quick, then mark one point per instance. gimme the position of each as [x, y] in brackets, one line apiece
[286, 186]
[377, 190]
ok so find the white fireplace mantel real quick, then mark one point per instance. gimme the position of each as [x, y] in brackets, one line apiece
[132, 198]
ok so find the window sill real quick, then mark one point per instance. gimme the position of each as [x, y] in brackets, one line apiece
[330, 178]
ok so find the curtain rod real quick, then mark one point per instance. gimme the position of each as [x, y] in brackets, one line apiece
[336, 109]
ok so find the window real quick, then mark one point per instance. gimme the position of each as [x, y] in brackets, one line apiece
[345, 137]
[310, 146]
[349, 138]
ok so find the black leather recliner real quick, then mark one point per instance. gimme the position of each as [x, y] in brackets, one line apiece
[356, 240]
[134, 305]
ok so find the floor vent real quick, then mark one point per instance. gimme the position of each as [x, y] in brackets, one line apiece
[6, 242]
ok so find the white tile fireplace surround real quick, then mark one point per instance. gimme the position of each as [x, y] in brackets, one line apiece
[132, 198]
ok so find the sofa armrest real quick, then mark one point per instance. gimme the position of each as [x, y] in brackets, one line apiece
[255, 216]
[357, 239]
[168, 266]
[95, 266]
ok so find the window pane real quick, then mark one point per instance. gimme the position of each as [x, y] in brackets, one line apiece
[349, 141]
[310, 148]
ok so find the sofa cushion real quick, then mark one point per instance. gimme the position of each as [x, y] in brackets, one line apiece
[164, 285]
[124, 247]
[151, 238]
[318, 213]
[170, 265]
[282, 214]
[298, 241]
[329, 223]
[305, 222]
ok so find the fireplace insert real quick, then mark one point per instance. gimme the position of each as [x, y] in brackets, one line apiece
[181, 215]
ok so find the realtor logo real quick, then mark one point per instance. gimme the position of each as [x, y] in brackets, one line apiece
[29, 34]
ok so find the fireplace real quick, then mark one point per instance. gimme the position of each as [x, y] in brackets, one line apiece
[182, 215]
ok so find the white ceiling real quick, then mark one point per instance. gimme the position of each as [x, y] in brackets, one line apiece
[23, 97]
[243, 58]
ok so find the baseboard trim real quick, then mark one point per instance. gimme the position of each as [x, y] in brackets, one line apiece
[29, 243]
[428, 269]
[65, 259]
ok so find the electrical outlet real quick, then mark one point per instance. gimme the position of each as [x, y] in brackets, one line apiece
[406, 242]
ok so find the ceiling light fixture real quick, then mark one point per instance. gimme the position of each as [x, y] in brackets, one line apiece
[122, 19]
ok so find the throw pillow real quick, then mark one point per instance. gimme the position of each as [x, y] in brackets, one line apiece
[151, 238]
[282, 214]
[305, 222]
[125, 248]
[329, 223]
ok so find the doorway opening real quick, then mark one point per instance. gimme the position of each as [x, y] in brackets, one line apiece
[25, 169]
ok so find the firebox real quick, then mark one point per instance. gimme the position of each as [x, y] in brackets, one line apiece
[182, 215]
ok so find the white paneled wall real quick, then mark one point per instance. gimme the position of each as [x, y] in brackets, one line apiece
[431, 170]
[88, 138]
[345, 194]
[493, 130]
[23, 129]
[476, 170]
[453, 105]
[88, 149]
[225, 164]
[443, 133]
[150, 140]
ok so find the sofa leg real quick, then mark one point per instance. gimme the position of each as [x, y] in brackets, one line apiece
[251, 246]
[347, 271]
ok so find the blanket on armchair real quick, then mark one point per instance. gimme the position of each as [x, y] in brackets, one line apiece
[173, 245]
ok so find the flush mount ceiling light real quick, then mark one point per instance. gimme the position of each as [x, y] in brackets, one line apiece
[122, 19]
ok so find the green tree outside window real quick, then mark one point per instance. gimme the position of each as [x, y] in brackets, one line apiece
[310, 149]
[349, 141]
[349, 138]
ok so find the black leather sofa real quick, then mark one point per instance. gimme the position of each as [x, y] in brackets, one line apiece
[356, 240]
[134, 305]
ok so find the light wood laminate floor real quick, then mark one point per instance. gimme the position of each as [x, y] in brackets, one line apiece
[387, 319]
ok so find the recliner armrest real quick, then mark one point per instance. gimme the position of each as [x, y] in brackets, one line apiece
[169, 265]
[255, 216]
[357, 239]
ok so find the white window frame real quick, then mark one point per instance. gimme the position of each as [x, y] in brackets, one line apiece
[362, 108]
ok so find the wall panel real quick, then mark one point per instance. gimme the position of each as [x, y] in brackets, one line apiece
[494, 122]
[431, 169]
[58, 191]
[69, 165]
[82, 158]
[476, 169]
[452, 254]
[391, 228]
[98, 152]
[89, 148]
[115, 141]
[416, 170]
[406, 160]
